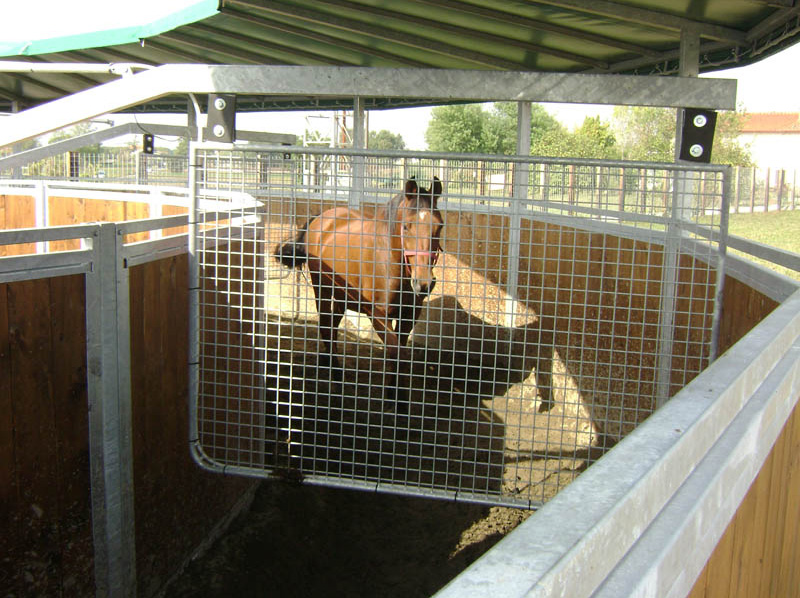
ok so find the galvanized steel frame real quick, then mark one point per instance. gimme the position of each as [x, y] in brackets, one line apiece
[516, 208]
[434, 85]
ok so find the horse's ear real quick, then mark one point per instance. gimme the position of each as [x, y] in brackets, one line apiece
[411, 187]
[436, 190]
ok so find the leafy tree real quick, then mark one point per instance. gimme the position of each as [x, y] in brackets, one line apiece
[645, 133]
[543, 125]
[595, 139]
[182, 149]
[385, 140]
[457, 128]
[470, 128]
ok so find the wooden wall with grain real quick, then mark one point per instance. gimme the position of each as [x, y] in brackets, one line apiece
[45, 529]
[45, 526]
[596, 298]
[17, 211]
[176, 502]
[759, 554]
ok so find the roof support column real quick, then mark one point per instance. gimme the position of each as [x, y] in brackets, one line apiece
[359, 142]
[683, 190]
[520, 196]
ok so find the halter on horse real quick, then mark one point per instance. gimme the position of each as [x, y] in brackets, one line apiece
[375, 261]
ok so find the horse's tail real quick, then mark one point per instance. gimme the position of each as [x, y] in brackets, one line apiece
[293, 253]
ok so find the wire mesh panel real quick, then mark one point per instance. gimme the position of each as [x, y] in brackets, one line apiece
[570, 300]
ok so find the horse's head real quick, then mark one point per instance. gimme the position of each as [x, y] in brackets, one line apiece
[421, 224]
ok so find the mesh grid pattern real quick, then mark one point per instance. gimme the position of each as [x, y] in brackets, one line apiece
[567, 307]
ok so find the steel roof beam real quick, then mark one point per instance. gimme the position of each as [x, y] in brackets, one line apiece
[653, 18]
[434, 85]
[192, 57]
[41, 84]
[661, 64]
[228, 53]
[99, 54]
[772, 22]
[131, 128]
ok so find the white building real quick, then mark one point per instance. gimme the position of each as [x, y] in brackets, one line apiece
[774, 139]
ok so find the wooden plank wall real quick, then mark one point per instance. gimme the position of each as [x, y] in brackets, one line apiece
[759, 554]
[45, 505]
[176, 502]
[231, 414]
[17, 211]
[45, 527]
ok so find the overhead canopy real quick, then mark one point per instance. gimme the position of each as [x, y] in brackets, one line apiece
[562, 36]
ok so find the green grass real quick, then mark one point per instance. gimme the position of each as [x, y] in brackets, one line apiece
[778, 229]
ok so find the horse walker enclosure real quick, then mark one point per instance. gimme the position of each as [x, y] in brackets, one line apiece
[576, 353]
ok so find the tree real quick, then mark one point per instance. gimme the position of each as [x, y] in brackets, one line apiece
[457, 128]
[385, 140]
[595, 139]
[470, 128]
[645, 133]
[182, 149]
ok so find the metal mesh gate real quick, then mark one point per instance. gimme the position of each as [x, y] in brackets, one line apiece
[572, 297]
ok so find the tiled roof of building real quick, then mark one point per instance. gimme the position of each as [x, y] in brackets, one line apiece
[772, 122]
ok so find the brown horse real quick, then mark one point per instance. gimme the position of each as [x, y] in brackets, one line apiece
[378, 262]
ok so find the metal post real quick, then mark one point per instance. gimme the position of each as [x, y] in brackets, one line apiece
[685, 185]
[766, 192]
[110, 437]
[194, 284]
[520, 194]
[359, 142]
[41, 209]
[721, 253]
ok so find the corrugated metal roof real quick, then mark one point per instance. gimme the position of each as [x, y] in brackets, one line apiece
[594, 36]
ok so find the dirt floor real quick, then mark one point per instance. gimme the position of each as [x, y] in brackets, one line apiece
[308, 541]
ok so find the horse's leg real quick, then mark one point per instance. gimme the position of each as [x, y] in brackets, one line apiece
[407, 317]
[330, 316]
[392, 391]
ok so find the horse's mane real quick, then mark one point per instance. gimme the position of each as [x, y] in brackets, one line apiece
[388, 214]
